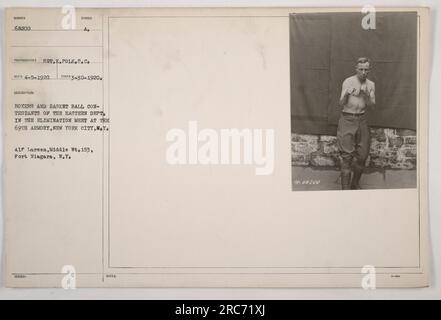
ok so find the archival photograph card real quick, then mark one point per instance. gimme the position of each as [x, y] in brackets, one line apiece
[216, 147]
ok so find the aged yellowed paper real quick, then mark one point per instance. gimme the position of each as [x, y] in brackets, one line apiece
[154, 147]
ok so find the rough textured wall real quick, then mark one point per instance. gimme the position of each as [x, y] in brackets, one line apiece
[390, 149]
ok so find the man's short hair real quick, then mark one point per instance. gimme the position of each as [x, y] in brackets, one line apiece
[363, 60]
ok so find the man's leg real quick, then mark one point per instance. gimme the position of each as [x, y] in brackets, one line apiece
[346, 145]
[345, 171]
[362, 138]
[358, 171]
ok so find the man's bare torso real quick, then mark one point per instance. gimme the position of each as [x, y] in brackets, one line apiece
[359, 92]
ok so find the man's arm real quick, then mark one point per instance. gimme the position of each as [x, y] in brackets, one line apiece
[344, 94]
[372, 95]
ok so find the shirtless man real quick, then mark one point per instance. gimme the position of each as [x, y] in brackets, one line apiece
[358, 93]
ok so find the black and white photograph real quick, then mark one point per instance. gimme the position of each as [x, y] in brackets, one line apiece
[354, 89]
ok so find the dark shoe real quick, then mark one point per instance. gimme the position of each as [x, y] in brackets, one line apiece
[355, 184]
[346, 180]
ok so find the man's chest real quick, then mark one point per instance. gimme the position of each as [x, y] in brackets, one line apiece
[357, 87]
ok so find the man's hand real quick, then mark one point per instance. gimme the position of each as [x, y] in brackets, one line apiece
[364, 92]
[350, 91]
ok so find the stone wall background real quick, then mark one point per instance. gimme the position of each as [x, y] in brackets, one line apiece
[390, 149]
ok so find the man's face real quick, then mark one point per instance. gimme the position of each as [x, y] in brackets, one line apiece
[362, 70]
